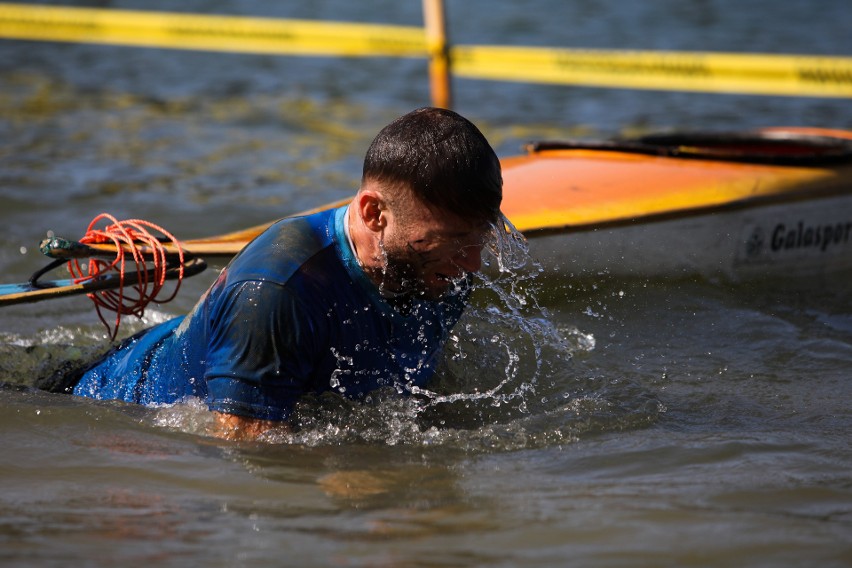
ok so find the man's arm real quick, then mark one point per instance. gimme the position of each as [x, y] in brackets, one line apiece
[242, 428]
[254, 363]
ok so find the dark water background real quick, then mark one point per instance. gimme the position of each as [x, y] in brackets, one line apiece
[605, 422]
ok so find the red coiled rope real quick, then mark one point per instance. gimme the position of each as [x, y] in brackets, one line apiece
[130, 237]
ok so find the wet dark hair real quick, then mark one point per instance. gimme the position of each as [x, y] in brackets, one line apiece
[443, 159]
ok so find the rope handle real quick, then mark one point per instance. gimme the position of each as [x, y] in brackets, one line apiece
[129, 237]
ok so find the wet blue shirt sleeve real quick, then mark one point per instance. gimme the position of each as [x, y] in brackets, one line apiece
[261, 338]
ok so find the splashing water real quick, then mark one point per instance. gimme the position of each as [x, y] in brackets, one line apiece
[496, 354]
[506, 382]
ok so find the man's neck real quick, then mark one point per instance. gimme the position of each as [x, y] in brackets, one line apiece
[362, 242]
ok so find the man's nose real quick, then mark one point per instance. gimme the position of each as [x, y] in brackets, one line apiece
[469, 258]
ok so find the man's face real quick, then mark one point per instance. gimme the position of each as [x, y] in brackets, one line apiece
[428, 252]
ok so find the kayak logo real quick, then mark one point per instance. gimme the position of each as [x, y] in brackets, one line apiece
[798, 237]
[754, 244]
[815, 236]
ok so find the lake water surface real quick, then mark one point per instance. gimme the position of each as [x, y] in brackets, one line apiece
[575, 422]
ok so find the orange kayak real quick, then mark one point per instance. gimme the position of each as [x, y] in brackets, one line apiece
[775, 201]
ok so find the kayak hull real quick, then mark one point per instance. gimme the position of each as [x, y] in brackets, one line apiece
[811, 238]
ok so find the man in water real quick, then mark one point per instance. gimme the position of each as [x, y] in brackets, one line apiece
[347, 300]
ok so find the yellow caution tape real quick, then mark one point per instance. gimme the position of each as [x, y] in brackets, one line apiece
[213, 33]
[682, 71]
[793, 75]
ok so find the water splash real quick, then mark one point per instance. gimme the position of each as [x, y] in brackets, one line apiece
[507, 381]
[505, 316]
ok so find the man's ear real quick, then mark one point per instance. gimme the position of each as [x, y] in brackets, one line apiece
[372, 209]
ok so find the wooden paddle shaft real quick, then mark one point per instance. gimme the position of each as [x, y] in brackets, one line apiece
[65, 249]
[225, 245]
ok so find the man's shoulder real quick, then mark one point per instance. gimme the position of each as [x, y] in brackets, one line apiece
[284, 248]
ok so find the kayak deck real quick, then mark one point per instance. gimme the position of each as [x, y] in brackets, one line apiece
[560, 187]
